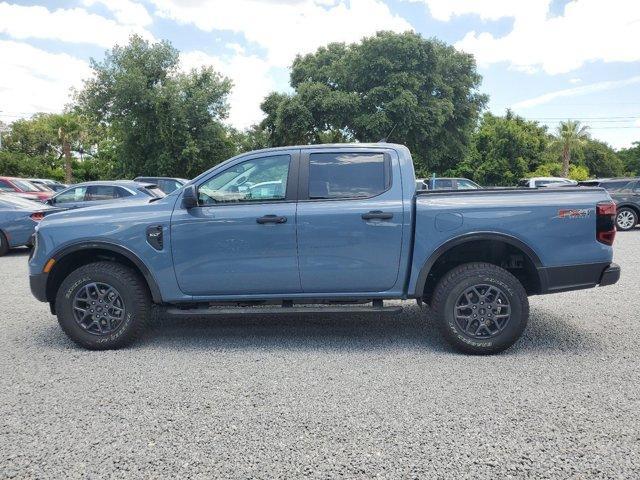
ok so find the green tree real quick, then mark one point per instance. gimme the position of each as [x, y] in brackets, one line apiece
[46, 139]
[160, 121]
[600, 159]
[630, 157]
[570, 135]
[401, 87]
[504, 149]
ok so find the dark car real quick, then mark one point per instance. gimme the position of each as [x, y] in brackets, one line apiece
[628, 205]
[609, 184]
[166, 184]
[625, 192]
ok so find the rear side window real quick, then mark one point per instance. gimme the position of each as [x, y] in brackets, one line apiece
[617, 185]
[443, 184]
[348, 175]
[101, 192]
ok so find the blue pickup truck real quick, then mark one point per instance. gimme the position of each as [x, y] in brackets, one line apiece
[327, 228]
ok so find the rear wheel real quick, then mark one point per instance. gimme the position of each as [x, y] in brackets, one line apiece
[4, 244]
[626, 219]
[103, 305]
[480, 308]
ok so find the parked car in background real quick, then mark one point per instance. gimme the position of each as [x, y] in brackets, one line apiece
[51, 184]
[627, 201]
[536, 182]
[18, 218]
[100, 192]
[23, 188]
[290, 229]
[446, 183]
[609, 184]
[166, 184]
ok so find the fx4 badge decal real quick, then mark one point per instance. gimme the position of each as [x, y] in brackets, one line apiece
[573, 213]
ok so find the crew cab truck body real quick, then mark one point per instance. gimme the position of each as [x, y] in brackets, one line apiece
[337, 227]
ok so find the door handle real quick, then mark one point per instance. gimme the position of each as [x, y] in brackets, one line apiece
[271, 219]
[377, 214]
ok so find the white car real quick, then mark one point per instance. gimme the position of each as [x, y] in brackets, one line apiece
[535, 182]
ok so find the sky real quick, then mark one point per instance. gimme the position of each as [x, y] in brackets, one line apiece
[547, 60]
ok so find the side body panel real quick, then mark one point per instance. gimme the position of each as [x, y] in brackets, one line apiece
[17, 226]
[533, 218]
[123, 225]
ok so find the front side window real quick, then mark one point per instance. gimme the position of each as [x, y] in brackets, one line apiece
[168, 186]
[257, 180]
[347, 175]
[72, 195]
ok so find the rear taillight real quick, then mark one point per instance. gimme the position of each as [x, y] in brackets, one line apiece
[37, 216]
[606, 222]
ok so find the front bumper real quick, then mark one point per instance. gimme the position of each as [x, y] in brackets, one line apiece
[38, 285]
[578, 277]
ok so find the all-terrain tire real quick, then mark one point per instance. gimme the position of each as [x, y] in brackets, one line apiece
[135, 301]
[452, 290]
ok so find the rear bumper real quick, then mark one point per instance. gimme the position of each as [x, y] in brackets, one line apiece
[38, 285]
[610, 276]
[578, 277]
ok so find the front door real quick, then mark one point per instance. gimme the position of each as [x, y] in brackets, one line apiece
[241, 238]
[350, 220]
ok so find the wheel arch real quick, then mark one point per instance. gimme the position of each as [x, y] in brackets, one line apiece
[73, 256]
[533, 264]
[630, 206]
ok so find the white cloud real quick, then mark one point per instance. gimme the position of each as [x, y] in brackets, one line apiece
[576, 91]
[444, 10]
[33, 80]
[286, 27]
[586, 31]
[251, 80]
[125, 11]
[74, 25]
[575, 80]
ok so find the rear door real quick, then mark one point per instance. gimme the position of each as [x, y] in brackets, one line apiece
[350, 214]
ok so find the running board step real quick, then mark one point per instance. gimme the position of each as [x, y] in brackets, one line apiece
[278, 310]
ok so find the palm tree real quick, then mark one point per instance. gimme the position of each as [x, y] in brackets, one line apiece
[570, 135]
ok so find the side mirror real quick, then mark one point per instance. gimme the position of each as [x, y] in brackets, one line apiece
[50, 201]
[190, 197]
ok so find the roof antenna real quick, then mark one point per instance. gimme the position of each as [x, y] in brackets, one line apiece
[384, 139]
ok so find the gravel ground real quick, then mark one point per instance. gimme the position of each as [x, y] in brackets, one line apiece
[326, 396]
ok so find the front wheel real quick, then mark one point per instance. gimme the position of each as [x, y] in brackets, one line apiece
[626, 219]
[480, 308]
[103, 305]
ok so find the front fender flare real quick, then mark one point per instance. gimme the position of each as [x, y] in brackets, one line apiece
[114, 247]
